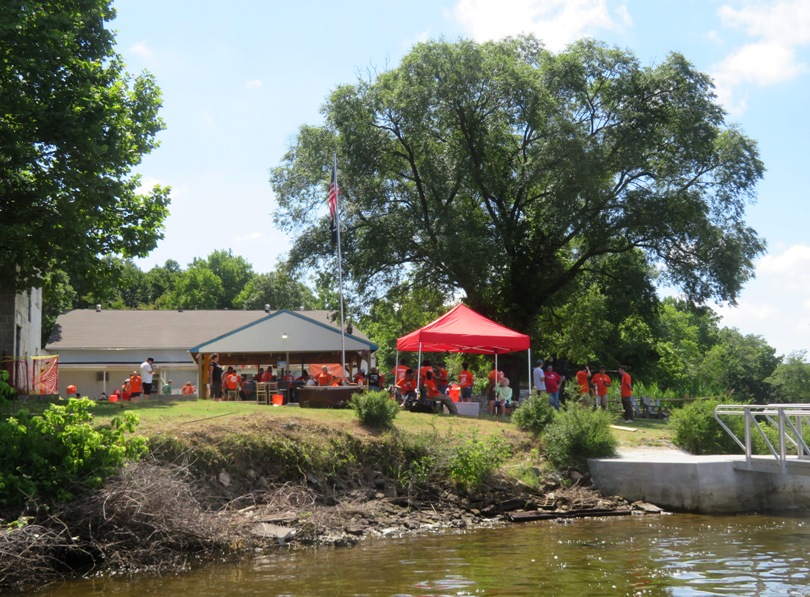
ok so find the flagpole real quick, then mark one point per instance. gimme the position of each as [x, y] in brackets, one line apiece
[340, 271]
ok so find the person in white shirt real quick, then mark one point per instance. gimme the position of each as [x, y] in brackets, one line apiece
[539, 378]
[147, 371]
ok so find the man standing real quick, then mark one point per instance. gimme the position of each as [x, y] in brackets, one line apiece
[539, 378]
[553, 381]
[583, 375]
[215, 377]
[466, 380]
[147, 370]
[627, 394]
[135, 386]
[600, 382]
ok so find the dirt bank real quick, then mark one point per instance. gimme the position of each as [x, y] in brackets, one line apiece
[223, 489]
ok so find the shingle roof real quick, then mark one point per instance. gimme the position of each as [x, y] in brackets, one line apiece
[88, 328]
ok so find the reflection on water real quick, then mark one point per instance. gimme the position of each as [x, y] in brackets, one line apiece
[640, 555]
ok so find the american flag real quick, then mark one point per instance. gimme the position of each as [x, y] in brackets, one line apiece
[334, 192]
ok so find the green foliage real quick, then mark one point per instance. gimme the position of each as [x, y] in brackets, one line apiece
[6, 390]
[279, 289]
[790, 381]
[698, 432]
[75, 124]
[495, 161]
[740, 364]
[375, 409]
[577, 434]
[403, 310]
[534, 415]
[50, 457]
[475, 460]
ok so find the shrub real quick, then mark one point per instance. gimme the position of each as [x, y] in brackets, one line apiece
[698, 432]
[576, 435]
[534, 414]
[6, 391]
[50, 457]
[473, 461]
[375, 409]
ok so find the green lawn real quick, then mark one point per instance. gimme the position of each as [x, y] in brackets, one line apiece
[160, 415]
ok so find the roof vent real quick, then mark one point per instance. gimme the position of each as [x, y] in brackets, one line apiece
[267, 307]
[98, 308]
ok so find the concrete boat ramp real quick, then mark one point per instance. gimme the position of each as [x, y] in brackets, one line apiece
[679, 481]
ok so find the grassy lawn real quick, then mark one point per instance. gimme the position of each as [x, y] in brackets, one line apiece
[170, 416]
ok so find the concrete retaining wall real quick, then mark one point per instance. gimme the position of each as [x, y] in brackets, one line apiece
[701, 484]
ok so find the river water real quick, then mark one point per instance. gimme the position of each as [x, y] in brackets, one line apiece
[675, 554]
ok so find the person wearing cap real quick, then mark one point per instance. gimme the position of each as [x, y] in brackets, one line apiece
[147, 371]
[539, 378]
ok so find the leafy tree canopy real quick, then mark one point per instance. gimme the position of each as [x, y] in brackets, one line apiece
[73, 124]
[504, 172]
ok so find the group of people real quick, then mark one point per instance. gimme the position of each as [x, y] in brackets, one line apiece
[432, 384]
[547, 380]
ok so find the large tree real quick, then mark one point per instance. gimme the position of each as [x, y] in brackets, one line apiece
[507, 172]
[73, 124]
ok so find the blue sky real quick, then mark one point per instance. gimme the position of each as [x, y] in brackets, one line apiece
[239, 78]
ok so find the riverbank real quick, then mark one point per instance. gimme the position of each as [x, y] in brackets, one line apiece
[224, 479]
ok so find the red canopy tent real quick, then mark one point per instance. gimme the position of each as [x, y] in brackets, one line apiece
[463, 330]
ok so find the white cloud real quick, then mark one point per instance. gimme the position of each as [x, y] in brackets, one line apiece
[779, 30]
[142, 51]
[246, 238]
[207, 119]
[775, 304]
[147, 184]
[253, 84]
[556, 22]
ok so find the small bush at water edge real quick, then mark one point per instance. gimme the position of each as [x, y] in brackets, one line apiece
[474, 461]
[375, 409]
[49, 457]
[576, 435]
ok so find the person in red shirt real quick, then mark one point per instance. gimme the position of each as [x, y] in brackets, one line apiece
[188, 388]
[231, 384]
[406, 387]
[601, 382]
[433, 393]
[466, 380]
[135, 386]
[324, 378]
[442, 380]
[126, 393]
[626, 393]
[553, 381]
[582, 381]
[360, 377]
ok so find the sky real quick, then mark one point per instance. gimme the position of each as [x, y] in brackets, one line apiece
[239, 78]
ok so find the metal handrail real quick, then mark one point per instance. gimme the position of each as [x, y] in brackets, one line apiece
[789, 419]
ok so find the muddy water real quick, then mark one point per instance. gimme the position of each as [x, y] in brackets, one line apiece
[639, 555]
